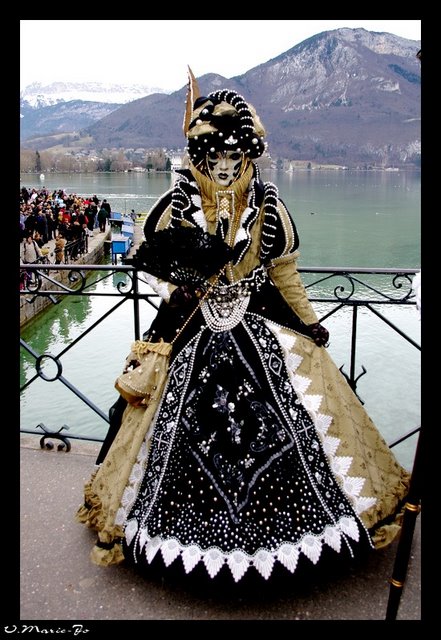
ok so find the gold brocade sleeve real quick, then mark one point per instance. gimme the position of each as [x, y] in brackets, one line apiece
[283, 272]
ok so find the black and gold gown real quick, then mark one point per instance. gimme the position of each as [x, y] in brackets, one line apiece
[257, 452]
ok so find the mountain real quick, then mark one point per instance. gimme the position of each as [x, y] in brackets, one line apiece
[154, 121]
[62, 117]
[347, 96]
[342, 95]
[39, 95]
[62, 107]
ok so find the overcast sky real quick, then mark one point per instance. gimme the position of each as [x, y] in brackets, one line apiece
[156, 53]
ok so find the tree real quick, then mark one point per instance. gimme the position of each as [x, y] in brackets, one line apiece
[27, 160]
[37, 161]
[104, 165]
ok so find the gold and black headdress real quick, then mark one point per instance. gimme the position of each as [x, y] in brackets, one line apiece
[221, 121]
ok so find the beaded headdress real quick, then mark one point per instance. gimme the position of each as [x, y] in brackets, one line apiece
[222, 121]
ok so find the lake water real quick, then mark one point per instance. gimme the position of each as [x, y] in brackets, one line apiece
[344, 219]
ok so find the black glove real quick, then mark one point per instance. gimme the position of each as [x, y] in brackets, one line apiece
[185, 295]
[319, 334]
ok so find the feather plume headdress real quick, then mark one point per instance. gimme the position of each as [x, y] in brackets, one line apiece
[192, 94]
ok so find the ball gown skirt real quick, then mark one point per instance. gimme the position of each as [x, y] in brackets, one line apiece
[258, 452]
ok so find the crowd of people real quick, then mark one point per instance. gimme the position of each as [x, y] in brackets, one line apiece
[56, 215]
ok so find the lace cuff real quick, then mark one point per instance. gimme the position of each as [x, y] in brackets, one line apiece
[161, 287]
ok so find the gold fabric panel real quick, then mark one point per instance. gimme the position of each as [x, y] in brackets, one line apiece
[103, 492]
[372, 459]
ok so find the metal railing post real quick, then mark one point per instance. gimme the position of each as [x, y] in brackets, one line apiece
[136, 322]
[353, 346]
[411, 511]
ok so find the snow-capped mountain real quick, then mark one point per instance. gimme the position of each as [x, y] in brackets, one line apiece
[38, 95]
[345, 97]
[348, 97]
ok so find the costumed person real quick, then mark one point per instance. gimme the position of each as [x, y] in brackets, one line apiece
[251, 450]
[60, 245]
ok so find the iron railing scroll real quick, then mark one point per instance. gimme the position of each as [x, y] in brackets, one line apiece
[332, 288]
[336, 288]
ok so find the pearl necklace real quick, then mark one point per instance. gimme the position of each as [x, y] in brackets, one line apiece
[224, 315]
[227, 304]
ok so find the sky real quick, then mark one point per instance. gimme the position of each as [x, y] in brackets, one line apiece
[155, 53]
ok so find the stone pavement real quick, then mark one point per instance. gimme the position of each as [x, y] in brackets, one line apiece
[59, 583]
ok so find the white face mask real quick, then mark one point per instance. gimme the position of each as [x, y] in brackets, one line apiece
[224, 166]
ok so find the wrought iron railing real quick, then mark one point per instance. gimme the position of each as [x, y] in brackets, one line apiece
[334, 287]
[74, 249]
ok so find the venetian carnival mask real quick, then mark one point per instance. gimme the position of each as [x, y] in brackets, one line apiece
[224, 166]
[223, 131]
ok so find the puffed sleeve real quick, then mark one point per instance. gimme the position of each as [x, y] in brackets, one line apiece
[282, 265]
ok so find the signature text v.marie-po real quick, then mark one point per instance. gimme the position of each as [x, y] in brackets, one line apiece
[75, 629]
